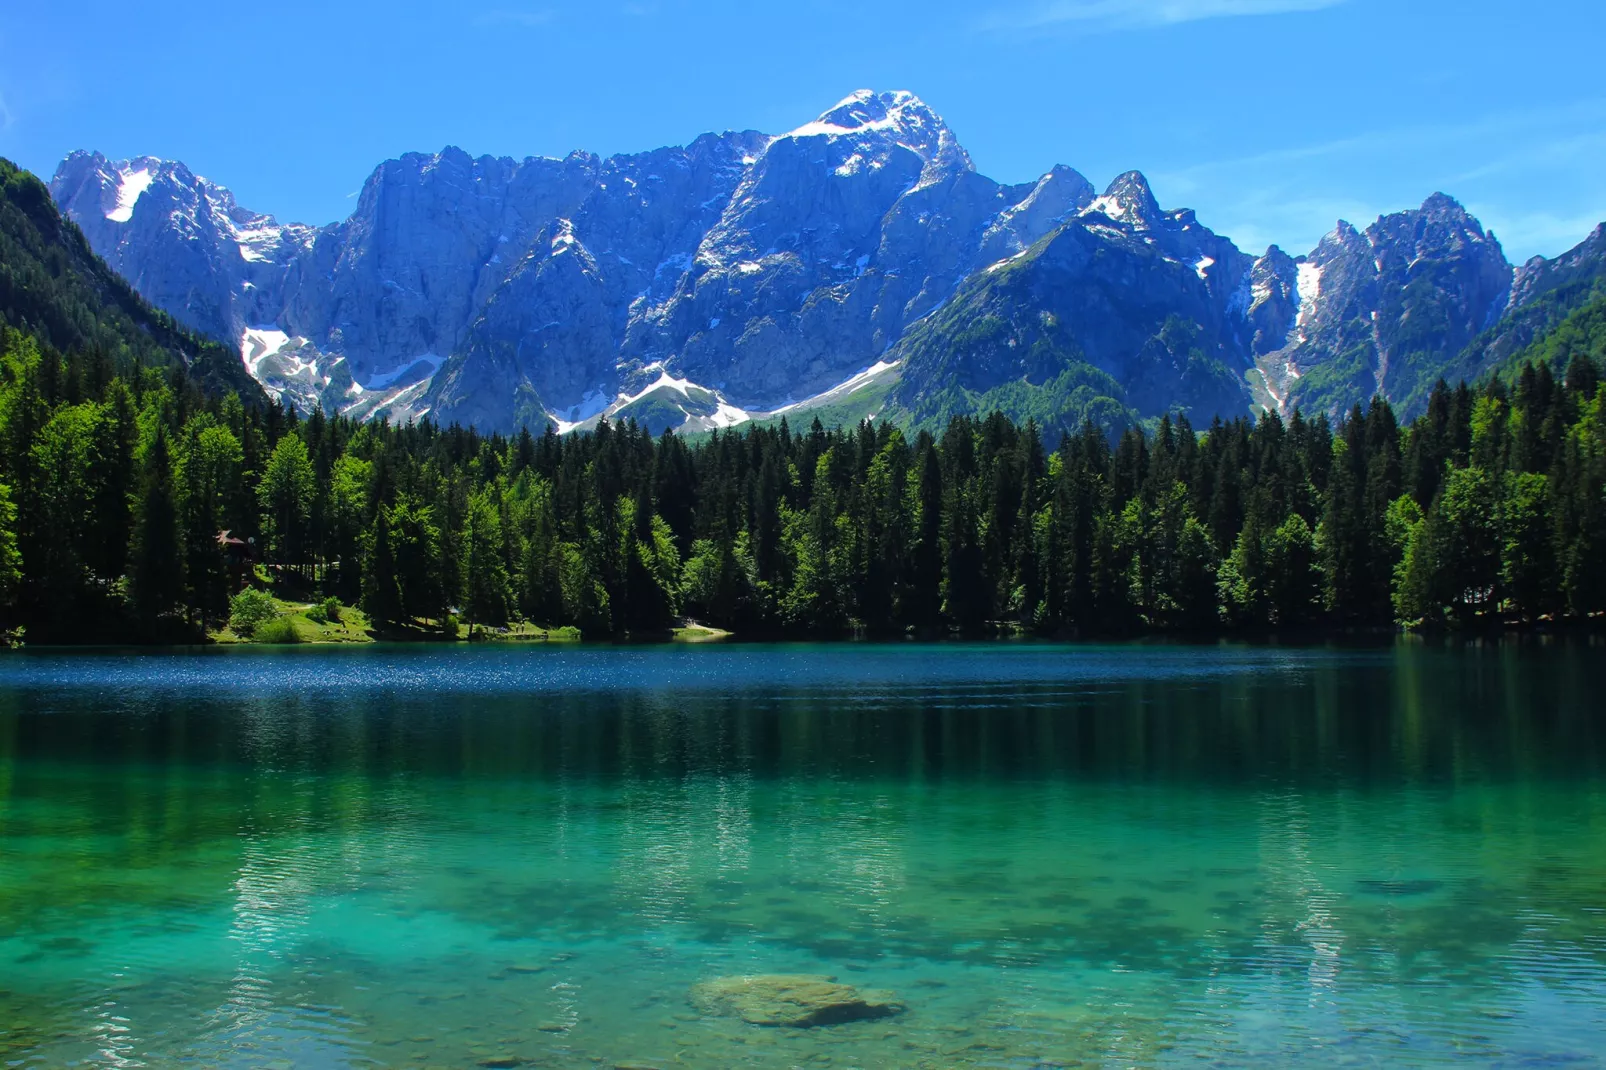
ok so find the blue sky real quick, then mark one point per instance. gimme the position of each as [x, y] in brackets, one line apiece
[1272, 118]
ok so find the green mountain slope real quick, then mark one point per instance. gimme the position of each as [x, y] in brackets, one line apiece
[1081, 327]
[54, 287]
[1581, 333]
[1545, 300]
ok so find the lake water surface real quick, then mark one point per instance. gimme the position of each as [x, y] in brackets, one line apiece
[1053, 855]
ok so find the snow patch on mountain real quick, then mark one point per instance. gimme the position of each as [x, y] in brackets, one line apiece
[1310, 287]
[130, 186]
[878, 120]
[412, 368]
[874, 373]
[258, 344]
[593, 405]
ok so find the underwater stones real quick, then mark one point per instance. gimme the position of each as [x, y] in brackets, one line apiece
[795, 1000]
[1399, 887]
[518, 969]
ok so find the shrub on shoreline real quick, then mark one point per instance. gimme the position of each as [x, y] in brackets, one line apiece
[279, 630]
[249, 610]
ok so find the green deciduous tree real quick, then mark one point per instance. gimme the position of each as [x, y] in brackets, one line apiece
[286, 495]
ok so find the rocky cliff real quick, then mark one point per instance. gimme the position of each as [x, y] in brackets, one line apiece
[858, 262]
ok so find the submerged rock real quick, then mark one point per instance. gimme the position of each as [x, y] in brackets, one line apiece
[796, 1000]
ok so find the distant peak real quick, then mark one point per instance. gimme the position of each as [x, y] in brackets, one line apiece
[81, 157]
[1128, 200]
[1132, 184]
[116, 186]
[1442, 202]
[858, 96]
[899, 116]
[869, 110]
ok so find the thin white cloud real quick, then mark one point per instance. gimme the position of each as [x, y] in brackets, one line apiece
[1134, 14]
[7, 117]
[1559, 152]
[1529, 231]
[1526, 191]
[1504, 124]
[508, 17]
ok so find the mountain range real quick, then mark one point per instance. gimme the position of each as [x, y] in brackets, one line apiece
[858, 265]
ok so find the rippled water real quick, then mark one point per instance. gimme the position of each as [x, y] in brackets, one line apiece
[1055, 856]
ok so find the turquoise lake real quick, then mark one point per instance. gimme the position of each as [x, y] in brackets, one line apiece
[1054, 856]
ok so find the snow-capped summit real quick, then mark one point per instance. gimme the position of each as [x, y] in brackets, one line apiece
[181, 240]
[1128, 200]
[152, 187]
[899, 118]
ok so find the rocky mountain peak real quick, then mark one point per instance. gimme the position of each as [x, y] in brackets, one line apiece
[117, 186]
[182, 240]
[1440, 224]
[1344, 240]
[1128, 200]
[1441, 205]
[1063, 190]
[1582, 264]
[1273, 300]
[897, 118]
[755, 273]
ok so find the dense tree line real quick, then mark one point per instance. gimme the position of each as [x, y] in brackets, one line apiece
[1488, 508]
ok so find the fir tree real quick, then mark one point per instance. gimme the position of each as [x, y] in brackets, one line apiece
[156, 580]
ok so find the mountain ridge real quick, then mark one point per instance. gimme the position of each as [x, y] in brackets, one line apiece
[746, 274]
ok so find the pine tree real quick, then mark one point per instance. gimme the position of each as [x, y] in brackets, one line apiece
[381, 588]
[486, 580]
[156, 579]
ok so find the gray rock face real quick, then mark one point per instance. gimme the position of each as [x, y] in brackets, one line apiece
[180, 240]
[1383, 312]
[1273, 308]
[766, 268]
[1543, 294]
[552, 335]
[1582, 265]
[745, 273]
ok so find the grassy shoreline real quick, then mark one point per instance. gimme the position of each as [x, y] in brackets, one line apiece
[301, 627]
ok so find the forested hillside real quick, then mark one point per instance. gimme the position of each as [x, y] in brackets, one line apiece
[1487, 508]
[52, 286]
[1583, 331]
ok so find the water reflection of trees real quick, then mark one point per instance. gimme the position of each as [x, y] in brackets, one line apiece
[850, 824]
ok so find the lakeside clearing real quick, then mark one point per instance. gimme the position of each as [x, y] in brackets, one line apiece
[295, 622]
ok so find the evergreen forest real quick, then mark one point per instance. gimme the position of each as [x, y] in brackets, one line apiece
[118, 479]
